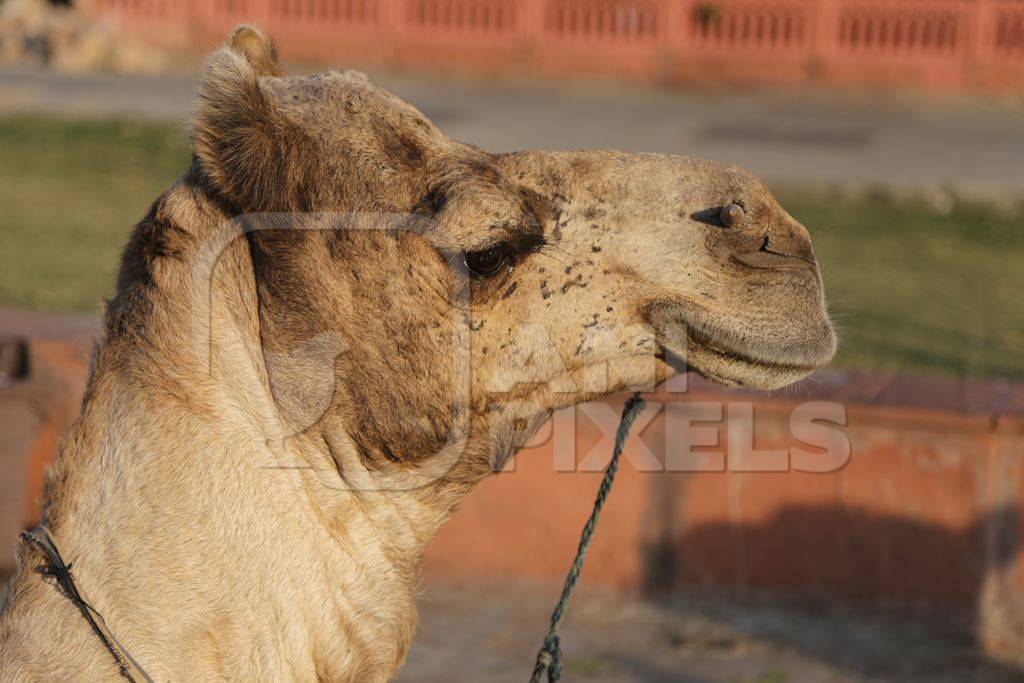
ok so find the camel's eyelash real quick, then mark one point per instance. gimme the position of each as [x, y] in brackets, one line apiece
[514, 249]
[517, 246]
[526, 244]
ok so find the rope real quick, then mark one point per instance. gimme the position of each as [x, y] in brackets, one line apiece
[61, 572]
[549, 658]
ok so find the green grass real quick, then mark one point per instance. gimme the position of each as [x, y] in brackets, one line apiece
[914, 290]
[911, 289]
[70, 192]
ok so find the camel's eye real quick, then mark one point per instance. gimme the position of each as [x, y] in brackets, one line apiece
[732, 215]
[487, 262]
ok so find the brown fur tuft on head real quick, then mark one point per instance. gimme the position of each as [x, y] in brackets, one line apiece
[257, 49]
[241, 142]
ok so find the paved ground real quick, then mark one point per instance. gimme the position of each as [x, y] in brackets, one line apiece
[902, 142]
[471, 634]
[491, 636]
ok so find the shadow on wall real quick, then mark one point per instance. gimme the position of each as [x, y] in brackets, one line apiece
[5, 579]
[818, 550]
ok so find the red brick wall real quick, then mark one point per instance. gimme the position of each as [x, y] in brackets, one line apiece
[916, 43]
[909, 492]
[920, 503]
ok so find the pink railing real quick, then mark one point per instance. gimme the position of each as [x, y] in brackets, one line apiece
[928, 29]
[752, 27]
[603, 22]
[1008, 30]
[929, 43]
[491, 20]
[152, 10]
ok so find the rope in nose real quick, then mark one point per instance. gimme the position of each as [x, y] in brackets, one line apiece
[549, 658]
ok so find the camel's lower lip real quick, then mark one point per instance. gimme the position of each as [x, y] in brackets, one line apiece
[687, 348]
[732, 368]
[709, 345]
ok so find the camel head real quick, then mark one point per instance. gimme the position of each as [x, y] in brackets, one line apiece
[420, 297]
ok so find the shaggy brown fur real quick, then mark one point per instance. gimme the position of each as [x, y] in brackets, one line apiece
[332, 326]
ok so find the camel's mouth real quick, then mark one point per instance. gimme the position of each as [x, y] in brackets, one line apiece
[733, 368]
[725, 357]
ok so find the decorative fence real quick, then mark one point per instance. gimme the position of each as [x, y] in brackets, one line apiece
[922, 43]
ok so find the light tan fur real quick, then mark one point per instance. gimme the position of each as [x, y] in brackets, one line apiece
[299, 379]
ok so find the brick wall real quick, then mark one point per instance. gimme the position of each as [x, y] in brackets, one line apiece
[945, 44]
[865, 486]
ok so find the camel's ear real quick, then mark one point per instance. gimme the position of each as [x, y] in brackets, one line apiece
[257, 49]
[237, 132]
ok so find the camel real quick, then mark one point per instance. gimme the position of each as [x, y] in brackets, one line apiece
[335, 324]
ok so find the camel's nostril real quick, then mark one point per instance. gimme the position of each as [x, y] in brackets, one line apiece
[766, 248]
[773, 259]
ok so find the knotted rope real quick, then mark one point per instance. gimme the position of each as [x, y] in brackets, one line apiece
[549, 658]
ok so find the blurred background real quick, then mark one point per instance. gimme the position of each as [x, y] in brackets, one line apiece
[893, 129]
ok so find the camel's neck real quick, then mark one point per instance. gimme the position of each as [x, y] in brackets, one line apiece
[214, 541]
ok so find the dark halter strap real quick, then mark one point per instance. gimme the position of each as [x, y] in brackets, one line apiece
[41, 538]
